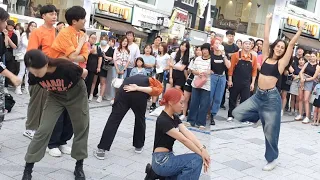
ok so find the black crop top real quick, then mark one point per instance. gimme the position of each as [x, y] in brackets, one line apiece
[310, 69]
[270, 69]
[164, 124]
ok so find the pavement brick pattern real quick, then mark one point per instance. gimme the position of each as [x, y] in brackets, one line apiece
[237, 150]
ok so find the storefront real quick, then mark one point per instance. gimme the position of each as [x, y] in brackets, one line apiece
[117, 18]
[149, 21]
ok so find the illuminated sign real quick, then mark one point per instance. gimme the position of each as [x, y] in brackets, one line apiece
[115, 10]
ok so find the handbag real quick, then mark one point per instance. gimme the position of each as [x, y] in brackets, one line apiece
[106, 66]
[117, 82]
[199, 81]
[289, 80]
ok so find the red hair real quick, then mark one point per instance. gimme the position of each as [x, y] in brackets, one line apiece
[171, 95]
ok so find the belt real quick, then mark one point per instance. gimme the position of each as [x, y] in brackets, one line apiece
[267, 90]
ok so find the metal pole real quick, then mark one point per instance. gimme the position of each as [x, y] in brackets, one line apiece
[93, 14]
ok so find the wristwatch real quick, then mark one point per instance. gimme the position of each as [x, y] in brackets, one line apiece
[203, 147]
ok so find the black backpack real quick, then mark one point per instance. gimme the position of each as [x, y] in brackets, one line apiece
[9, 102]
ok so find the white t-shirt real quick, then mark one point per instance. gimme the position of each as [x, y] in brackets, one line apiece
[201, 65]
[134, 53]
[162, 61]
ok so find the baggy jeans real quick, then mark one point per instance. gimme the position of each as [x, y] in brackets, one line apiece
[75, 101]
[218, 84]
[266, 106]
[181, 167]
[199, 106]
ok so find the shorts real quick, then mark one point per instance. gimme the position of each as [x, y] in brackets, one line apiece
[178, 78]
[294, 88]
[103, 73]
[187, 88]
[284, 85]
[316, 102]
[308, 86]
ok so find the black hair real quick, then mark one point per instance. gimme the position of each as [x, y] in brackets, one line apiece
[185, 58]
[130, 32]
[75, 13]
[273, 45]
[37, 59]
[313, 52]
[4, 15]
[140, 59]
[252, 41]
[92, 34]
[300, 47]
[48, 9]
[231, 32]
[158, 37]
[148, 45]
[28, 30]
[259, 40]
[83, 30]
[206, 46]
[239, 40]
[60, 23]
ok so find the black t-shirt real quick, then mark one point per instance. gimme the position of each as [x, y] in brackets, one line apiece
[217, 64]
[92, 63]
[164, 124]
[109, 53]
[230, 49]
[14, 39]
[3, 48]
[65, 77]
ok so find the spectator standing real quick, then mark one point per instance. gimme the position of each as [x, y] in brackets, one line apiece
[134, 51]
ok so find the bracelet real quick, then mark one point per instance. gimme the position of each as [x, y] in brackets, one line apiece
[203, 147]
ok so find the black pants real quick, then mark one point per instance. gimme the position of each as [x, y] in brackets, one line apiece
[62, 132]
[137, 101]
[235, 91]
[89, 81]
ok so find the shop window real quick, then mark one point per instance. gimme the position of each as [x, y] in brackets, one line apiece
[308, 5]
[152, 2]
[188, 2]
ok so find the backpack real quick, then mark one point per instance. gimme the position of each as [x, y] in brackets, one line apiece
[9, 102]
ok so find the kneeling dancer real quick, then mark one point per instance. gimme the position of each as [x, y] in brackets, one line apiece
[67, 91]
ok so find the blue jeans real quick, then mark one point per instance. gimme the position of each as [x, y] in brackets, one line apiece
[181, 167]
[218, 85]
[266, 106]
[128, 72]
[199, 106]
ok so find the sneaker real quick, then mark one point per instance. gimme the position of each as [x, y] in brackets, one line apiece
[257, 124]
[65, 149]
[281, 113]
[298, 118]
[27, 175]
[202, 128]
[212, 122]
[29, 134]
[223, 107]
[90, 97]
[5, 90]
[55, 152]
[187, 124]
[99, 99]
[18, 91]
[99, 154]
[306, 120]
[270, 166]
[152, 108]
[26, 91]
[182, 117]
[138, 150]
[78, 173]
[112, 102]
[230, 119]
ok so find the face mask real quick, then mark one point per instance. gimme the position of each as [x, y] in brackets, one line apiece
[104, 43]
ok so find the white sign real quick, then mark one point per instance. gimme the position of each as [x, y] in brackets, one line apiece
[145, 15]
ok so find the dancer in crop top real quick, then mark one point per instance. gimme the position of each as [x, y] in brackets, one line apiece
[308, 75]
[266, 103]
[168, 129]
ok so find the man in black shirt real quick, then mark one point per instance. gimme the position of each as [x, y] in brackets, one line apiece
[230, 48]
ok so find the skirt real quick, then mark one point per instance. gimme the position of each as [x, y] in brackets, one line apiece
[294, 88]
[316, 102]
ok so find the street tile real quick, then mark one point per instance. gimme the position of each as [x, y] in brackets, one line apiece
[230, 173]
[256, 141]
[306, 151]
[238, 165]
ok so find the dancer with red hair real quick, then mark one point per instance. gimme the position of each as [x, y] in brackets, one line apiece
[168, 129]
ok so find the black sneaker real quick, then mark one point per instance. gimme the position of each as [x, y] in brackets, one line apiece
[152, 108]
[212, 120]
[223, 107]
[78, 173]
[151, 175]
[27, 175]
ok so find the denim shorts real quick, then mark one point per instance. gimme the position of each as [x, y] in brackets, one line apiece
[308, 86]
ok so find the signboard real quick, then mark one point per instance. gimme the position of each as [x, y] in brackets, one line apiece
[236, 25]
[146, 18]
[162, 21]
[115, 10]
[311, 30]
[178, 16]
[197, 38]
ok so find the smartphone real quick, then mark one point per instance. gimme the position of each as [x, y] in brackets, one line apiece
[221, 47]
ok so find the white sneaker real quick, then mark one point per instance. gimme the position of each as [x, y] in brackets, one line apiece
[99, 99]
[270, 166]
[5, 90]
[281, 113]
[257, 124]
[29, 134]
[182, 117]
[298, 118]
[90, 97]
[306, 120]
[18, 91]
[65, 149]
[230, 119]
[111, 102]
[26, 91]
[138, 150]
[55, 152]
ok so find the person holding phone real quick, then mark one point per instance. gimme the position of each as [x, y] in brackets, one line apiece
[219, 62]
[169, 128]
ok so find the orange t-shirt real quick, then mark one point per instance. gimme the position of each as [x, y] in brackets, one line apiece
[156, 86]
[42, 38]
[235, 59]
[66, 43]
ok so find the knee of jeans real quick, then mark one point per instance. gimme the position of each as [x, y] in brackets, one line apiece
[197, 161]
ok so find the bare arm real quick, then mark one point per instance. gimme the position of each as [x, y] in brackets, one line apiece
[301, 74]
[315, 76]
[190, 135]
[9, 42]
[84, 73]
[265, 47]
[227, 63]
[99, 62]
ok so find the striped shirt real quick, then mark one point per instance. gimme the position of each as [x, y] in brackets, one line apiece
[202, 65]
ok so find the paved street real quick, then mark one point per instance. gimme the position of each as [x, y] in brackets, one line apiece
[237, 150]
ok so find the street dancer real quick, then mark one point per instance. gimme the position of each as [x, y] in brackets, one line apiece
[266, 103]
[66, 91]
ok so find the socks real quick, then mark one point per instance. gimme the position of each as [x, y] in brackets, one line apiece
[79, 163]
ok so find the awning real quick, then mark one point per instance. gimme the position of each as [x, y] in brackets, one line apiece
[307, 43]
[120, 27]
